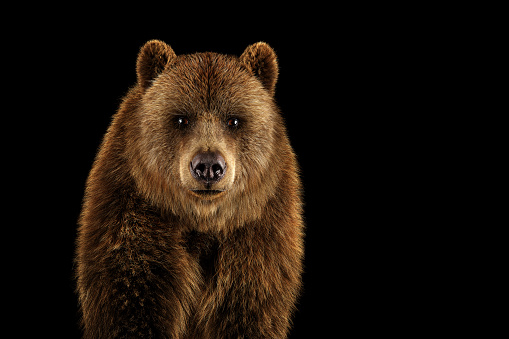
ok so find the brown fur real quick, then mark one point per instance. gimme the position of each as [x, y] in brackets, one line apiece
[156, 260]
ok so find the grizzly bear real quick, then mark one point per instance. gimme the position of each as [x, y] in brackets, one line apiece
[191, 225]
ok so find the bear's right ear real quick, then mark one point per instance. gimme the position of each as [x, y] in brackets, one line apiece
[153, 58]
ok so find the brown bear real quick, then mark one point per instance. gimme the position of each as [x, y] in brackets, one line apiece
[191, 225]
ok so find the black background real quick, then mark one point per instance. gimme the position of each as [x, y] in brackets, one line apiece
[69, 78]
[362, 89]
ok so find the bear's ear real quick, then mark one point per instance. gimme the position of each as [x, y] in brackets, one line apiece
[260, 59]
[153, 58]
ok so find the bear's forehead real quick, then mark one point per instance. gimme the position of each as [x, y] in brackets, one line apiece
[208, 80]
[208, 70]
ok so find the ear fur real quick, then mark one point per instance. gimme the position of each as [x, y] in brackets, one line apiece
[153, 58]
[261, 61]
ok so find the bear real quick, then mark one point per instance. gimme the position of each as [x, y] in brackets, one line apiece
[192, 218]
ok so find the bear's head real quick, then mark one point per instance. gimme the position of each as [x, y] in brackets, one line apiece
[205, 137]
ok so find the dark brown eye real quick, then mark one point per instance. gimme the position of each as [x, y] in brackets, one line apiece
[233, 122]
[183, 121]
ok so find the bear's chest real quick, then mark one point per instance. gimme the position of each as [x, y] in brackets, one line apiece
[203, 247]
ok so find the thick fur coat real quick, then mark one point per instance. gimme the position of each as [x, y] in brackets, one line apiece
[161, 254]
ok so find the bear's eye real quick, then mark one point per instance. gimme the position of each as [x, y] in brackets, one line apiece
[183, 121]
[233, 122]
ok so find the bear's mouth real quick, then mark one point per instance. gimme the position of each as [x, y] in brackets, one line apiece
[207, 193]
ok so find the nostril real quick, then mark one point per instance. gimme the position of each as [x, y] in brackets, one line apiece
[217, 169]
[200, 169]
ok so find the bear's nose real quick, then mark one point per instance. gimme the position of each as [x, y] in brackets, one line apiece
[208, 167]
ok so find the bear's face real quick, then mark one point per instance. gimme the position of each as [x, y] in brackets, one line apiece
[206, 129]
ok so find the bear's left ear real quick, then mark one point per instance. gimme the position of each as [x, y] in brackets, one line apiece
[261, 61]
[153, 58]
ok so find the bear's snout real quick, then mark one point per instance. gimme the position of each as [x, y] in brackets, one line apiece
[208, 167]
